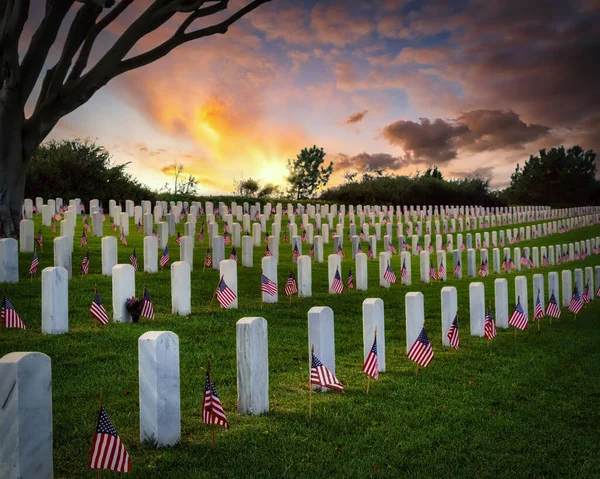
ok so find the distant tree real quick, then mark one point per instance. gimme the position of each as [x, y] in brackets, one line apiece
[307, 174]
[433, 173]
[557, 177]
[269, 190]
[181, 186]
[80, 169]
[350, 176]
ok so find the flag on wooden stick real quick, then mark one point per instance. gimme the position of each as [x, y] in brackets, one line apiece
[10, 318]
[108, 452]
[421, 351]
[212, 410]
[322, 376]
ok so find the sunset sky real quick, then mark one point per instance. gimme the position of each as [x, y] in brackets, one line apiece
[471, 86]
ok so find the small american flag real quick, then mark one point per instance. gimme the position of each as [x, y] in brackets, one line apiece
[407, 247]
[98, 310]
[208, 258]
[552, 309]
[53, 226]
[389, 275]
[321, 376]
[233, 255]
[303, 237]
[350, 280]
[489, 328]
[178, 239]
[462, 247]
[267, 286]
[10, 318]
[369, 251]
[538, 311]
[524, 261]
[518, 318]
[226, 238]
[545, 261]
[432, 271]
[57, 217]
[268, 252]
[453, 332]
[123, 239]
[212, 410]
[225, 294]
[336, 285]
[358, 249]
[311, 252]
[285, 237]
[391, 248]
[34, 263]
[340, 252]
[83, 240]
[457, 269]
[147, 308]
[113, 225]
[421, 351]
[139, 227]
[404, 271]
[154, 233]
[164, 259]
[371, 366]
[441, 270]
[295, 253]
[85, 264]
[576, 303]
[598, 291]
[290, 286]
[586, 293]
[483, 269]
[419, 249]
[108, 452]
[133, 260]
[430, 249]
[504, 265]
[39, 238]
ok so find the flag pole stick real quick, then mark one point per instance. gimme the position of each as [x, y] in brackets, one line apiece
[312, 351]
[417, 370]
[210, 386]
[101, 401]
[213, 296]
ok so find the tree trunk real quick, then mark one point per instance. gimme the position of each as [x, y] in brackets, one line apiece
[12, 160]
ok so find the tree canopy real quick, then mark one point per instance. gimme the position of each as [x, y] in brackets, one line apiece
[307, 174]
[557, 177]
[80, 169]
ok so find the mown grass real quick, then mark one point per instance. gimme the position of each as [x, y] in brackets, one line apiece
[524, 407]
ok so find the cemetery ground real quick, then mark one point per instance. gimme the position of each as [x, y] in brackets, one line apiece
[524, 406]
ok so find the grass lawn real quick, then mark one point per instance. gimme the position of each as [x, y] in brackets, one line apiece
[524, 407]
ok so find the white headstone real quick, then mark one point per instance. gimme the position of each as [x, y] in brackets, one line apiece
[186, 249]
[304, 276]
[269, 269]
[181, 288]
[109, 254]
[521, 294]
[228, 271]
[26, 416]
[567, 287]
[385, 258]
[424, 266]
[247, 252]
[501, 295]
[150, 254]
[26, 236]
[9, 260]
[477, 308]
[160, 411]
[553, 286]
[334, 263]
[321, 336]
[538, 291]
[589, 280]
[361, 272]
[252, 366]
[414, 310]
[123, 288]
[449, 310]
[406, 261]
[218, 251]
[373, 318]
[55, 300]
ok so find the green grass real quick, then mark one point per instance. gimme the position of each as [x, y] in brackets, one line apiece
[524, 407]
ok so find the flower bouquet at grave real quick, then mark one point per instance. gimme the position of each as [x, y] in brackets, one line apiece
[134, 307]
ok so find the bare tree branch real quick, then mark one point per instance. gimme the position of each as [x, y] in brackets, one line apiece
[40, 45]
[104, 22]
[85, 18]
[180, 37]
